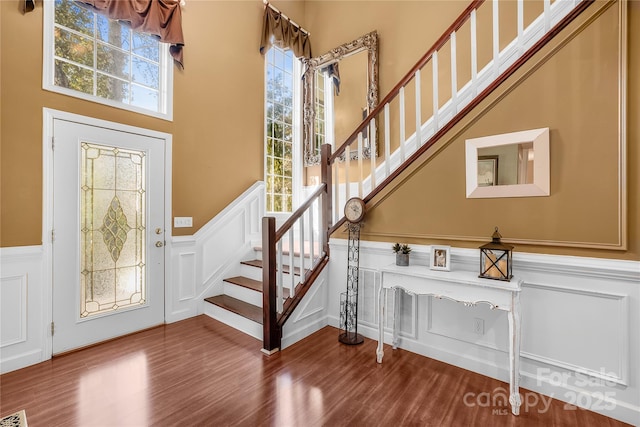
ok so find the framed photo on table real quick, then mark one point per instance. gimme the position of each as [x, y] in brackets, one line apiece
[440, 258]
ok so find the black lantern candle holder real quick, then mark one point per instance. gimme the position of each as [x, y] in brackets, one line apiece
[495, 259]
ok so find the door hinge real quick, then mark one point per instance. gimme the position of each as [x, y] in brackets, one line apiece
[53, 142]
[52, 328]
[53, 235]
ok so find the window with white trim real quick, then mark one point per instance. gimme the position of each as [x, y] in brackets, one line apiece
[282, 77]
[92, 57]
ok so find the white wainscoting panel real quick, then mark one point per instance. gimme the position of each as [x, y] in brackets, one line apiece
[187, 274]
[22, 308]
[580, 334]
[311, 315]
[13, 310]
[594, 317]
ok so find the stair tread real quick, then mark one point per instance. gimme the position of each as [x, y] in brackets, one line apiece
[255, 285]
[244, 309]
[246, 282]
[258, 263]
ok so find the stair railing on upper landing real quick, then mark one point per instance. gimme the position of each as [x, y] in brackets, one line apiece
[338, 170]
[435, 112]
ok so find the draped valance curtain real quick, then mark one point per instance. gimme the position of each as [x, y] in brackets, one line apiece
[162, 18]
[286, 34]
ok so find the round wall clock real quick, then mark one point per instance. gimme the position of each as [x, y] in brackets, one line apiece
[354, 210]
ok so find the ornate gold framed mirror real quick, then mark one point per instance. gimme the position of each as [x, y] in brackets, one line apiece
[329, 117]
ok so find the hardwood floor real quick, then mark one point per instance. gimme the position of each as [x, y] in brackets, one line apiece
[199, 372]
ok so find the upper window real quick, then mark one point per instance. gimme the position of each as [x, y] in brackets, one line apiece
[92, 57]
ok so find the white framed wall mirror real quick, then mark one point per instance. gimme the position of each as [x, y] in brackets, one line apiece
[329, 117]
[513, 164]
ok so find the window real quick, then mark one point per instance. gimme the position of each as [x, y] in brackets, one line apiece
[282, 77]
[90, 56]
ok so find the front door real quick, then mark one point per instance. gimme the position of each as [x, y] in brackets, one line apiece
[108, 225]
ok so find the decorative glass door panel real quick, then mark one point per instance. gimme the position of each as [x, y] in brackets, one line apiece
[113, 229]
[108, 269]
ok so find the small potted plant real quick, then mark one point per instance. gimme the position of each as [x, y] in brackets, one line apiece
[402, 254]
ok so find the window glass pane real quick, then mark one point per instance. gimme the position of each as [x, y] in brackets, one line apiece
[144, 97]
[73, 77]
[69, 14]
[73, 47]
[113, 32]
[112, 88]
[117, 63]
[146, 46]
[144, 72]
[113, 61]
[277, 203]
[279, 131]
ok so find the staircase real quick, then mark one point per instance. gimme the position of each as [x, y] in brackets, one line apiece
[261, 299]
[241, 303]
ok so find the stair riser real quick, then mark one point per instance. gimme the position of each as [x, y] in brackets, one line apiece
[236, 321]
[255, 273]
[243, 294]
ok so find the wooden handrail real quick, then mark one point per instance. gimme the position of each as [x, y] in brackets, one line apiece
[457, 24]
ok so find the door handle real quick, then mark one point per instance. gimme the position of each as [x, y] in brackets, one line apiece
[159, 244]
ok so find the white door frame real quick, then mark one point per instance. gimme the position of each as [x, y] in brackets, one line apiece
[48, 117]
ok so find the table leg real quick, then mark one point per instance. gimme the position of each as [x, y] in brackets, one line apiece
[514, 354]
[381, 300]
[396, 310]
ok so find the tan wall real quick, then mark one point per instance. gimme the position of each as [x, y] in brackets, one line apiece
[218, 113]
[574, 94]
[217, 135]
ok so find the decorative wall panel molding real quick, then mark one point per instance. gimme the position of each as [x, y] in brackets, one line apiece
[22, 308]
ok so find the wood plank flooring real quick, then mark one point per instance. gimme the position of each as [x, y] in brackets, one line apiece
[200, 372]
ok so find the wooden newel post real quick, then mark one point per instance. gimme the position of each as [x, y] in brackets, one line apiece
[271, 331]
[326, 179]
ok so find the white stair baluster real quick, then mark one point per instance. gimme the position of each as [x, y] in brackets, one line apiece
[387, 142]
[547, 15]
[418, 110]
[302, 252]
[347, 166]
[520, 27]
[360, 168]
[496, 38]
[402, 125]
[454, 74]
[336, 193]
[372, 157]
[279, 279]
[436, 106]
[311, 236]
[474, 55]
[291, 261]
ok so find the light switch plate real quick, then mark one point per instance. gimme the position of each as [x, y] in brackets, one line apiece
[182, 221]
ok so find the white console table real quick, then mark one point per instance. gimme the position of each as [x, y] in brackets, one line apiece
[460, 286]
